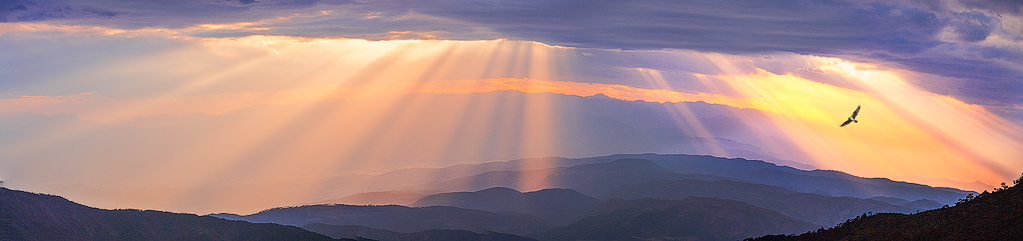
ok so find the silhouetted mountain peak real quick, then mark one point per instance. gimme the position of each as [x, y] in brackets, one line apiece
[600, 96]
[499, 191]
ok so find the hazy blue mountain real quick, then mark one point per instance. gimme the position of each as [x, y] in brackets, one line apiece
[598, 178]
[814, 208]
[355, 231]
[989, 216]
[557, 207]
[695, 218]
[592, 179]
[395, 218]
[403, 197]
[669, 167]
[31, 216]
[834, 183]
[891, 200]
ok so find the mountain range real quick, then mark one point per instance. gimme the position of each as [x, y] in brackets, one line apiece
[814, 208]
[360, 232]
[694, 218]
[604, 188]
[395, 218]
[31, 216]
[617, 197]
[572, 173]
[556, 207]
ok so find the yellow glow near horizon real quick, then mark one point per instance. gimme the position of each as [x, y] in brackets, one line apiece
[904, 133]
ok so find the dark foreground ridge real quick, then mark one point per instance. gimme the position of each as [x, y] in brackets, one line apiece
[363, 233]
[989, 216]
[694, 218]
[31, 216]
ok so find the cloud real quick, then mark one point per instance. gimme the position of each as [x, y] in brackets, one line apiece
[151, 14]
[930, 39]
[22, 10]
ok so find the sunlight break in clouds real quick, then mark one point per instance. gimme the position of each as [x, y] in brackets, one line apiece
[215, 120]
[901, 127]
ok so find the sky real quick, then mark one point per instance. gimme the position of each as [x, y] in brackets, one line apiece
[191, 106]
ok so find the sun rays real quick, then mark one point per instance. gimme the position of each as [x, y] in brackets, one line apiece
[216, 120]
[904, 128]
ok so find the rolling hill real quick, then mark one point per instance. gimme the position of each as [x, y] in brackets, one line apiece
[592, 179]
[473, 177]
[31, 216]
[814, 208]
[695, 218]
[395, 218]
[555, 206]
[355, 231]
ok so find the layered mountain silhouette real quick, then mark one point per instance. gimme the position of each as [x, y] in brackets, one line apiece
[605, 174]
[833, 183]
[355, 232]
[31, 216]
[556, 207]
[403, 197]
[395, 218]
[989, 216]
[695, 218]
[617, 197]
[814, 208]
[592, 179]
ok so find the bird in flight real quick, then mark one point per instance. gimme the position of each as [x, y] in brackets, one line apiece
[852, 118]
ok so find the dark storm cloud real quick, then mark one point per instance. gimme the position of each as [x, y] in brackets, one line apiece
[153, 13]
[729, 26]
[945, 38]
[22, 10]
[925, 36]
[971, 27]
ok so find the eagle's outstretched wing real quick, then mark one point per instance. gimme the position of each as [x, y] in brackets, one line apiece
[846, 123]
[857, 111]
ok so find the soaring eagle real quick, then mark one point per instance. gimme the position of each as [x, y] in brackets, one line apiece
[853, 117]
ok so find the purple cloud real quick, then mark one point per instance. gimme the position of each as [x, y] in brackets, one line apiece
[942, 38]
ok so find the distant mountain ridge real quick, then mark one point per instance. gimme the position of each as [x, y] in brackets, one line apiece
[395, 218]
[695, 218]
[728, 184]
[592, 179]
[681, 166]
[814, 208]
[403, 197]
[31, 216]
[558, 207]
[355, 231]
